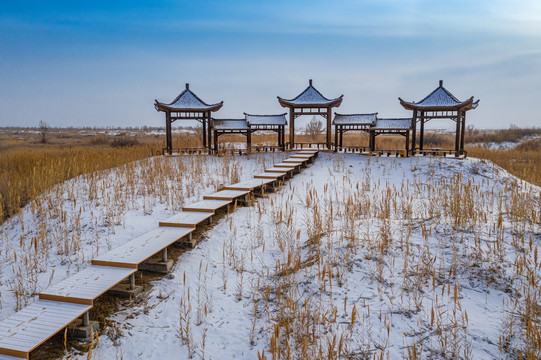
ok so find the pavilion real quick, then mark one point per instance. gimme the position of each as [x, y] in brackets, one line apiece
[310, 102]
[188, 106]
[351, 122]
[401, 126]
[439, 104]
[250, 124]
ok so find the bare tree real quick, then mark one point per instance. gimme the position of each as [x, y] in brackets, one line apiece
[43, 129]
[314, 128]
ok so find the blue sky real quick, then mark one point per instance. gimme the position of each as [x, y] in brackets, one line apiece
[102, 63]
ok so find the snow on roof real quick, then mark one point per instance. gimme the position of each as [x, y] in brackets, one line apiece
[440, 98]
[230, 124]
[355, 119]
[187, 100]
[311, 96]
[388, 124]
[265, 119]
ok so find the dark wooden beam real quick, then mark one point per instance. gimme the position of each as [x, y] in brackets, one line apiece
[422, 132]
[205, 132]
[168, 136]
[335, 138]
[457, 135]
[209, 129]
[291, 129]
[463, 132]
[413, 129]
[329, 128]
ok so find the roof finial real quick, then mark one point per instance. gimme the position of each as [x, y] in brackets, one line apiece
[310, 82]
[187, 86]
[441, 83]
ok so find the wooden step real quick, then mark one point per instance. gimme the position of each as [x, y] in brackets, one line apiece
[28, 328]
[87, 285]
[226, 195]
[207, 205]
[189, 219]
[134, 252]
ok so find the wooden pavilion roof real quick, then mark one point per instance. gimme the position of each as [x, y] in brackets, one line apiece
[187, 101]
[355, 119]
[311, 98]
[230, 124]
[265, 120]
[440, 100]
[393, 124]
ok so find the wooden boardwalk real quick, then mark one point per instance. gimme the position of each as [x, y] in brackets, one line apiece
[134, 252]
[66, 301]
[227, 195]
[87, 285]
[210, 206]
[30, 327]
[251, 185]
[188, 219]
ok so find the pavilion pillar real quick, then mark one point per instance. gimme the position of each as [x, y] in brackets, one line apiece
[205, 130]
[422, 134]
[335, 138]
[291, 128]
[209, 123]
[463, 132]
[372, 142]
[283, 137]
[413, 130]
[329, 128]
[341, 137]
[168, 136]
[215, 142]
[457, 134]
[249, 142]
[407, 142]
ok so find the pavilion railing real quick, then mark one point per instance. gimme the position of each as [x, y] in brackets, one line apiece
[308, 145]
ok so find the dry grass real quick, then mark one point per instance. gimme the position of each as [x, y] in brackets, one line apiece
[523, 161]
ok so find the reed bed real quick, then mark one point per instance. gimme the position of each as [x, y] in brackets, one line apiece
[70, 223]
[340, 265]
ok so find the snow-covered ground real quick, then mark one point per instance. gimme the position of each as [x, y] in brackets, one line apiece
[356, 255]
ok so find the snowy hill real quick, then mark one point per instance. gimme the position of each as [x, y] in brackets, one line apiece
[355, 255]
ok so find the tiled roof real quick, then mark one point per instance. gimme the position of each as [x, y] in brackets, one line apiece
[440, 99]
[187, 101]
[259, 120]
[393, 124]
[355, 119]
[230, 124]
[311, 96]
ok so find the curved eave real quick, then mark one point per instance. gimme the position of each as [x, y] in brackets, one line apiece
[290, 103]
[282, 114]
[165, 107]
[465, 105]
[390, 129]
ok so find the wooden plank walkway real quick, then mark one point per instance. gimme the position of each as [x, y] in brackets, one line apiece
[28, 328]
[226, 195]
[284, 170]
[87, 285]
[271, 175]
[302, 156]
[207, 205]
[134, 252]
[294, 161]
[250, 185]
[63, 303]
[189, 219]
